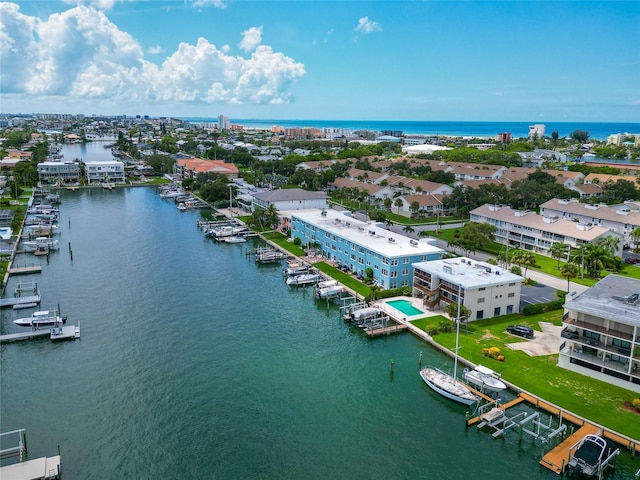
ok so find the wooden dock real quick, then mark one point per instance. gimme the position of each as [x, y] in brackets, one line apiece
[386, 330]
[557, 459]
[25, 270]
[501, 406]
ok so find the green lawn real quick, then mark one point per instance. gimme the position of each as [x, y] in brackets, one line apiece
[282, 241]
[598, 401]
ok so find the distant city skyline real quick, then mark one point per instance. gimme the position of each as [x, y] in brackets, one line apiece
[434, 61]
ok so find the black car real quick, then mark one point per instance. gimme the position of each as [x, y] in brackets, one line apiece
[520, 330]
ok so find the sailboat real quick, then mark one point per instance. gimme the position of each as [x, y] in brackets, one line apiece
[448, 385]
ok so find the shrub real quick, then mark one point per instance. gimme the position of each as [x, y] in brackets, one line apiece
[516, 270]
[500, 358]
[494, 352]
[636, 403]
[485, 352]
[297, 241]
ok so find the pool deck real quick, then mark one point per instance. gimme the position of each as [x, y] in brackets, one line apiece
[403, 317]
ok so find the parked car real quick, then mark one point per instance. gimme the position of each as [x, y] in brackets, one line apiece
[632, 260]
[520, 330]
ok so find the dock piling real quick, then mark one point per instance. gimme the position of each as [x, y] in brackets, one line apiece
[420, 362]
[391, 367]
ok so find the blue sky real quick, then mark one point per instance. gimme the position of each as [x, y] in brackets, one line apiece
[383, 60]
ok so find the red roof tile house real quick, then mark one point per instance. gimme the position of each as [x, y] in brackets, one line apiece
[191, 167]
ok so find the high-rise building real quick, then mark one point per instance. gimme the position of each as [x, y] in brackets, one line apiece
[537, 130]
[223, 123]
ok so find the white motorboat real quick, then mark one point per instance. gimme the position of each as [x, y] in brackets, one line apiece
[591, 455]
[329, 291]
[235, 239]
[365, 314]
[41, 242]
[446, 384]
[303, 279]
[296, 269]
[42, 318]
[484, 378]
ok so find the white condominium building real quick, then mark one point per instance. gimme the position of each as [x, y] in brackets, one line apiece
[602, 332]
[485, 289]
[530, 231]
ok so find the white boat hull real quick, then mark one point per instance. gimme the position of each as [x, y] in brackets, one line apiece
[484, 381]
[303, 279]
[447, 386]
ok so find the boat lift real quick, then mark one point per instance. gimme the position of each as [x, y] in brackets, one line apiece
[496, 418]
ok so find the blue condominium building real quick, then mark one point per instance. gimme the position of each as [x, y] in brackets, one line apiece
[360, 245]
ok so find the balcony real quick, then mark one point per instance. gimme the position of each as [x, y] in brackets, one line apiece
[599, 329]
[601, 359]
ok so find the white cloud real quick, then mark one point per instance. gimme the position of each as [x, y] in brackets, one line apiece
[251, 39]
[210, 3]
[155, 50]
[80, 54]
[99, 4]
[367, 26]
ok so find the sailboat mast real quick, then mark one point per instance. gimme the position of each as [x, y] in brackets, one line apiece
[455, 358]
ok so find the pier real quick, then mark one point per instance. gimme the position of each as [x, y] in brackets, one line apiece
[25, 295]
[55, 334]
[25, 270]
[44, 468]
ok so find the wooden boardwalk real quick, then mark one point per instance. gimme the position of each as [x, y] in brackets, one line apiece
[557, 459]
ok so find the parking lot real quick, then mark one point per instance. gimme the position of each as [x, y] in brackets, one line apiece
[538, 293]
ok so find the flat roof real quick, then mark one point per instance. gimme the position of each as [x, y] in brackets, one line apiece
[611, 298]
[468, 273]
[366, 234]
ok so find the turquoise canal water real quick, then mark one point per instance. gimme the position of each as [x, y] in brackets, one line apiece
[196, 363]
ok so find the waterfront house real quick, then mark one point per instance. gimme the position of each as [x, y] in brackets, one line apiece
[59, 172]
[107, 171]
[289, 199]
[358, 245]
[602, 332]
[191, 167]
[486, 290]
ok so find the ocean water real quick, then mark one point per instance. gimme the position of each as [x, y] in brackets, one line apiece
[195, 363]
[597, 131]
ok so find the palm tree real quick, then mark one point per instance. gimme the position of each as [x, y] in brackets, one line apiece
[610, 243]
[374, 291]
[635, 238]
[271, 216]
[398, 203]
[408, 229]
[568, 271]
[558, 250]
[387, 204]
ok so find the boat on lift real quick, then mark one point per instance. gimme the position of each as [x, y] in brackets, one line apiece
[41, 318]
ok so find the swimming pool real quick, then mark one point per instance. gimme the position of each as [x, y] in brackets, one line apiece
[405, 307]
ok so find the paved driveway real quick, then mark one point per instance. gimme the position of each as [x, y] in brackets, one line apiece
[546, 342]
